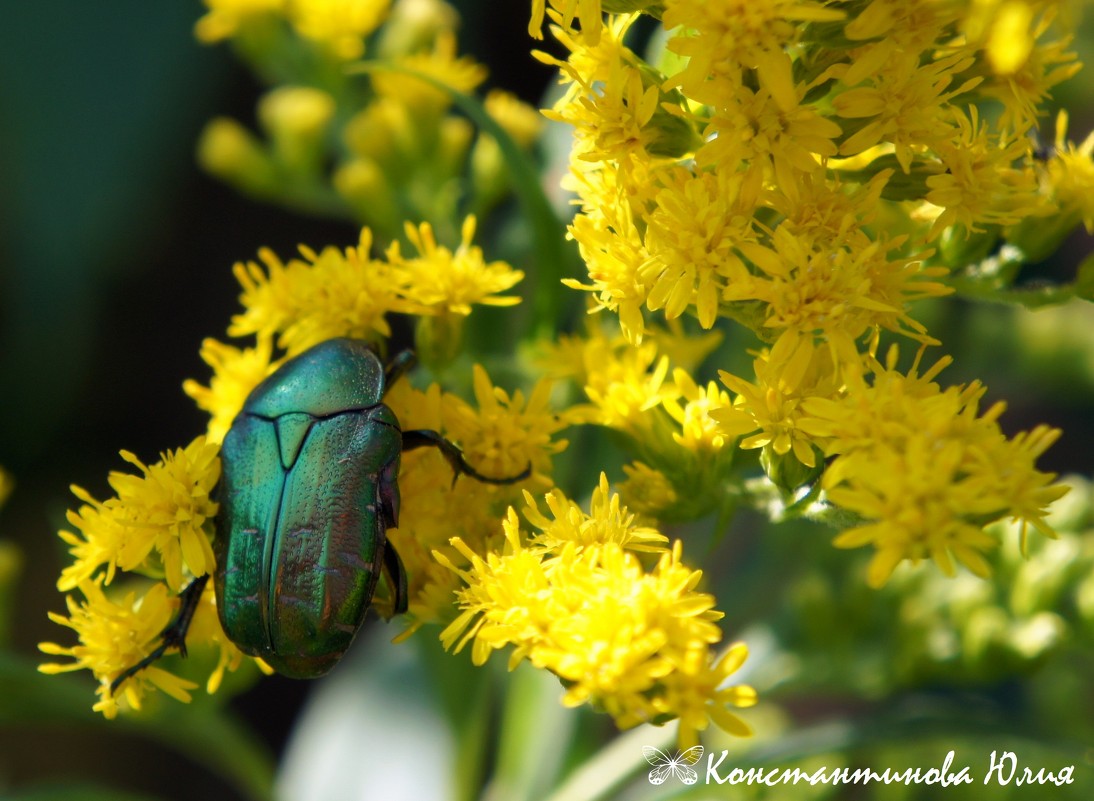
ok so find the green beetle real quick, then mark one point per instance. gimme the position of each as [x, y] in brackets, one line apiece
[308, 490]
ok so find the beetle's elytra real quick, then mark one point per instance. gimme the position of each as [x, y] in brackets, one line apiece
[308, 491]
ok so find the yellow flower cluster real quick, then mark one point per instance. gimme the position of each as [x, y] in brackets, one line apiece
[338, 25]
[347, 293]
[575, 599]
[375, 142]
[160, 524]
[500, 435]
[809, 169]
[926, 471]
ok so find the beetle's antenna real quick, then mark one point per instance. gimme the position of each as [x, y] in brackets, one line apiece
[174, 636]
[424, 438]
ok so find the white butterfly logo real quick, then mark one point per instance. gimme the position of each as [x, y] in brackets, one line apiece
[677, 765]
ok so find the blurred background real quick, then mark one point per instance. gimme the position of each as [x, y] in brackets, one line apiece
[115, 257]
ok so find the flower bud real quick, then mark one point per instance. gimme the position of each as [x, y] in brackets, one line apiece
[233, 154]
[296, 120]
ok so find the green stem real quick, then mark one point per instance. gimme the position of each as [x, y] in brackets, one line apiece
[613, 764]
[535, 730]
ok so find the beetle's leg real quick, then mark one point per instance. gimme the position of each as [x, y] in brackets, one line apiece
[403, 361]
[174, 636]
[396, 578]
[423, 438]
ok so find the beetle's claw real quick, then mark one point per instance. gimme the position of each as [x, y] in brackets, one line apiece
[475, 474]
[423, 438]
[174, 636]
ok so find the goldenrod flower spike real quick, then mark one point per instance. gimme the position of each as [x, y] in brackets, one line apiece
[575, 600]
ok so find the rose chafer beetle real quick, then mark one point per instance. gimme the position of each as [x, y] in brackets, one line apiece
[309, 488]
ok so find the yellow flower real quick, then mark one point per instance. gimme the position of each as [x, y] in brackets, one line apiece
[113, 638]
[979, 181]
[435, 507]
[698, 693]
[442, 281]
[324, 295]
[838, 292]
[235, 373]
[462, 74]
[619, 637]
[505, 434]
[768, 413]
[771, 138]
[1022, 79]
[924, 471]
[699, 430]
[614, 253]
[608, 521]
[905, 103]
[1070, 174]
[587, 11]
[624, 384]
[116, 635]
[611, 121]
[647, 490]
[718, 40]
[821, 208]
[168, 510]
[340, 25]
[520, 120]
[696, 234]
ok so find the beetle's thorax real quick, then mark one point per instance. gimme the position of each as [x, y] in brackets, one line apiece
[333, 377]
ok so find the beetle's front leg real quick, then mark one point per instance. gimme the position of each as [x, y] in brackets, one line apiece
[403, 361]
[422, 438]
[174, 636]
